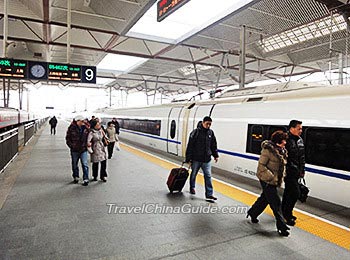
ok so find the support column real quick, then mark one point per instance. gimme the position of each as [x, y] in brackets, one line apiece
[4, 44]
[196, 73]
[110, 96]
[242, 57]
[146, 92]
[69, 19]
[4, 89]
[20, 95]
[341, 68]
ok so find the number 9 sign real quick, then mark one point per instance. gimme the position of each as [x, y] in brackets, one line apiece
[88, 74]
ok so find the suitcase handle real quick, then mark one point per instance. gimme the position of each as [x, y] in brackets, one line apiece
[189, 165]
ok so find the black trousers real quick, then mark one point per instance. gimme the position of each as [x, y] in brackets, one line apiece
[290, 197]
[110, 149]
[269, 196]
[53, 130]
[103, 172]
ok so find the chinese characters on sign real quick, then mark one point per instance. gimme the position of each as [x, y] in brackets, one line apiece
[167, 7]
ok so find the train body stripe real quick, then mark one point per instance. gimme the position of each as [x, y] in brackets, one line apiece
[249, 157]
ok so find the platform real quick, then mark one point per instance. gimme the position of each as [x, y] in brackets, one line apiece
[45, 216]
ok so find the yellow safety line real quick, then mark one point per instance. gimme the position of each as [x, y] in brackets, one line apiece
[315, 226]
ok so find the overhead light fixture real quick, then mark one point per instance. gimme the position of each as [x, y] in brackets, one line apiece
[306, 32]
[185, 22]
[116, 62]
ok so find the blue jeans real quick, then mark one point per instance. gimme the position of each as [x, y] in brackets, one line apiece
[206, 168]
[84, 163]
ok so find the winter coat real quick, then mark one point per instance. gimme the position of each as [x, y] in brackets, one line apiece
[272, 163]
[76, 137]
[99, 150]
[296, 157]
[116, 126]
[111, 134]
[53, 122]
[201, 145]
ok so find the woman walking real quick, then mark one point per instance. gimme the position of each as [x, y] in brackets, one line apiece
[112, 136]
[271, 170]
[96, 145]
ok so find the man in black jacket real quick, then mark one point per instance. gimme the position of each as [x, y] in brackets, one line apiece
[201, 146]
[53, 124]
[295, 169]
[76, 139]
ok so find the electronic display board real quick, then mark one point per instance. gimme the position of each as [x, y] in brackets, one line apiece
[16, 69]
[167, 7]
[64, 72]
[38, 70]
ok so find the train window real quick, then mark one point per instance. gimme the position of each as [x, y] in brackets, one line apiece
[144, 126]
[173, 129]
[255, 137]
[273, 128]
[328, 147]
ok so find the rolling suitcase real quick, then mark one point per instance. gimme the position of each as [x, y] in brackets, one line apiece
[177, 179]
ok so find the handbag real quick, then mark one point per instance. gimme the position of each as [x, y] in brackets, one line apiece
[304, 190]
[117, 146]
[105, 140]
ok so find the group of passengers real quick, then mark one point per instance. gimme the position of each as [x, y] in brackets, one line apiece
[282, 158]
[89, 136]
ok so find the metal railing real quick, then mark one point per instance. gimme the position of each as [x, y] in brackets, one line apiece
[8, 147]
[28, 132]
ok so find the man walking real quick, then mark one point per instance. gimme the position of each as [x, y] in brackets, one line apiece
[295, 169]
[53, 124]
[201, 146]
[76, 140]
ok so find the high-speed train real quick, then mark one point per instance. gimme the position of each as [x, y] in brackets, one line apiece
[243, 119]
[11, 117]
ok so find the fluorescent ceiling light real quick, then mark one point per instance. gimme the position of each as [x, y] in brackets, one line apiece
[184, 22]
[116, 62]
[315, 29]
[103, 81]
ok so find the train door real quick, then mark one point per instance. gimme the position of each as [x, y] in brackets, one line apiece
[173, 137]
[201, 112]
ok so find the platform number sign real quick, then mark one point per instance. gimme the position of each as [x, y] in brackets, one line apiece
[88, 74]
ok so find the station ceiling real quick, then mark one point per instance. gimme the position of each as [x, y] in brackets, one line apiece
[284, 38]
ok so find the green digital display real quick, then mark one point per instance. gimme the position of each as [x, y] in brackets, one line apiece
[64, 72]
[16, 69]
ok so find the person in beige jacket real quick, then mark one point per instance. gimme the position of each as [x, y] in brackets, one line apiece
[97, 150]
[271, 170]
[113, 137]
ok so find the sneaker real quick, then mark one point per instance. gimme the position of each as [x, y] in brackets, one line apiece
[76, 180]
[211, 197]
[89, 149]
[85, 183]
[193, 191]
[104, 180]
[94, 179]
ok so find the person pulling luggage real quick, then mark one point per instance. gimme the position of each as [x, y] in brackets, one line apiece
[200, 148]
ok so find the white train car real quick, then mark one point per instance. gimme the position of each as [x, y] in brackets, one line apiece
[241, 123]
